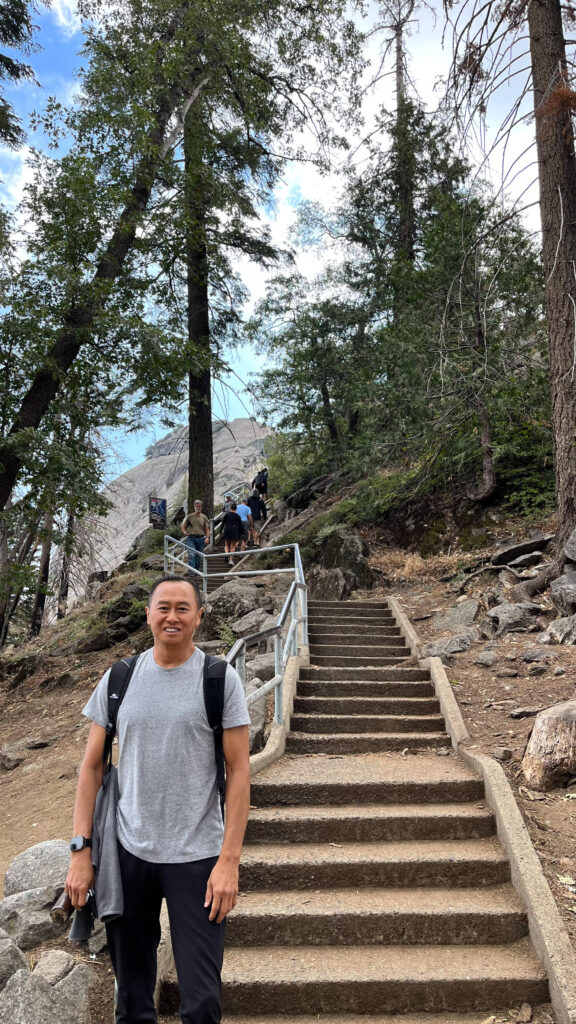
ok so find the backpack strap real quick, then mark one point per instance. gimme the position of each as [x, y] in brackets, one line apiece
[214, 680]
[120, 675]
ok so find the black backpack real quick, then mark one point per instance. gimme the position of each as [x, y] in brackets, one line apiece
[214, 679]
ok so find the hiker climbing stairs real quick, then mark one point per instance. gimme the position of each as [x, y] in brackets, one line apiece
[373, 885]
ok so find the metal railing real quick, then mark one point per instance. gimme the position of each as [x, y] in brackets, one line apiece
[295, 609]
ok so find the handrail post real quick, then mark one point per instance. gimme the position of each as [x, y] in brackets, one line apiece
[241, 666]
[304, 607]
[165, 554]
[278, 671]
[294, 644]
[211, 542]
[204, 573]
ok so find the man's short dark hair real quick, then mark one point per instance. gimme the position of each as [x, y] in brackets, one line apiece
[172, 578]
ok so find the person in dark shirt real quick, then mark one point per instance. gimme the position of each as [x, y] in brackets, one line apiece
[259, 513]
[260, 482]
[231, 531]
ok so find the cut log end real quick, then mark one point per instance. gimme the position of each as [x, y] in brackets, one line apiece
[550, 757]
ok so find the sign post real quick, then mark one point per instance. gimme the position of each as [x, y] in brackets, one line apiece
[157, 513]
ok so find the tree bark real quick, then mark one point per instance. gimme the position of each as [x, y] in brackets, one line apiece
[200, 447]
[488, 485]
[64, 584]
[77, 322]
[550, 756]
[557, 177]
[43, 577]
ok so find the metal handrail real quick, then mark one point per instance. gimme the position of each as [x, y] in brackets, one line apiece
[295, 607]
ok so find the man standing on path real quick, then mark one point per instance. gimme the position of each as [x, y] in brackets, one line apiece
[196, 526]
[245, 514]
[171, 839]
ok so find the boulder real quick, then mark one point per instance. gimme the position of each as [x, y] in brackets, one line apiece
[443, 649]
[463, 614]
[124, 605]
[154, 562]
[262, 667]
[570, 547]
[487, 659]
[253, 622]
[563, 593]
[30, 999]
[329, 584]
[16, 671]
[550, 756]
[513, 551]
[12, 959]
[535, 654]
[25, 916]
[103, 639]
[54, 965]
[560, 631]
[502, 753]
[9, 761]
[230, 602]
[514, 618]
[73, 994]
[45, 864]
[340, 549]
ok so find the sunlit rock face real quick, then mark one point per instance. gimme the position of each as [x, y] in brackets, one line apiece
[238, 454]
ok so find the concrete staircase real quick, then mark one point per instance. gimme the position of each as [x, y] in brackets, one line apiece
[373, 885]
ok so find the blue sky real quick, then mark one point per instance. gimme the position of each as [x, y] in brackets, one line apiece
[55, 65]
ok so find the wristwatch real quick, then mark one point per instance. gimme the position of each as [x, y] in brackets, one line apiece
[79, 842]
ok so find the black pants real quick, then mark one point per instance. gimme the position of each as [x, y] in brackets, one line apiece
[197, 943]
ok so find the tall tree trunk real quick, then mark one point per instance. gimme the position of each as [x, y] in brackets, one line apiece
[557, 176]
[200, 453]
[488, 485]
[22, 553]
[64, 583]
[78, 320]
[43, 576]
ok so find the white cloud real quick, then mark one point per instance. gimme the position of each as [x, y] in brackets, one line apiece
[66, 16]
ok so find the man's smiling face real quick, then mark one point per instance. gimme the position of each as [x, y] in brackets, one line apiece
[173, 614]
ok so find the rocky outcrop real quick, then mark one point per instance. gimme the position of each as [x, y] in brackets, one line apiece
[505, 556]
[47, 861]
[340, 549]
[238, 453]
[563, 593]
[515, 618]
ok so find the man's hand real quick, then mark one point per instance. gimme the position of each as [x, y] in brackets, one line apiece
[80, 877]
[222, 890]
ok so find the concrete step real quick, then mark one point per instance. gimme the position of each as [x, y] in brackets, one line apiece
[369, 823]
[376, 618]
[390, 917]
[393, 673]
[464, 862]
[389, 979]
[329, 724]
[344, 705]
[365, 743]
[369, 688]
[366, 779]
[358, 629]
[360, 653]
[368, 1018]
[351, 605]
[363, 661]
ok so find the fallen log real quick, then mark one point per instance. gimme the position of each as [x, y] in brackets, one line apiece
[550, 757]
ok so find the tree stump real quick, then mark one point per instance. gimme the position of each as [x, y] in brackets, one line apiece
[550, 757]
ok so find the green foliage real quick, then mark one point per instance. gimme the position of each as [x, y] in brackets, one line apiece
[225, 633]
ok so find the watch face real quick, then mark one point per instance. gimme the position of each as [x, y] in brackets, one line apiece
[77, 843]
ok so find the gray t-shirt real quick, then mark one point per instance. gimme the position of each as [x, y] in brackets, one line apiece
[169, 810]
